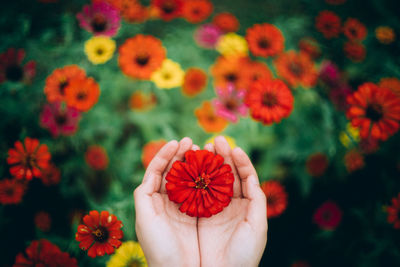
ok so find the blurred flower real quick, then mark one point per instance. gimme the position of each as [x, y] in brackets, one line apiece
[339, 94]
[316, 164]
[368, 145]
[335, 2]
[230, 140]
[43, 221]
[141, 101]
[353, 160]
[328, 216]
[100, 18]
[140, 56]
[44, 253]
[11, 68]
[96, 157]
[99, 49]
[265, 40]
[209, 120]
[229, 70]
[59, 79]
[168, 9]
[230, 103]
[277, 198]
[354, 51]
[385, 34]
[194, 82]
[329, 73]
[226, 22]
[206, 189]
[131, 10]
[28, 160]
[129, 254]
[296, 68]
[354, 30]
[269, 101]
[51, 175]
[207, 36]
[60, 119]
[150, 150]
[310, 47]
[256, 70]
[300, 264]
[195, 11]
[375, 111]
[103, 231]
[328, 23]
[391, 83]
[232, 44]
[11, 191]
[169, 75]
[393, 212]
[82, 94]
[351, 135]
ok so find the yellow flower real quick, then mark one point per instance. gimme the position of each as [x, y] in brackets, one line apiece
[232, 44]
[350, 135]
[170, 75]
[385, 34]
[99, 49]
[128, 254]
[229, 139]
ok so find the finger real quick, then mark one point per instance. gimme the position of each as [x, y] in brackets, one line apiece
[244, 167]
[222, 148]
[184, 145]
[257, 210]
[143, 197]
[195, 147]
[210, 147]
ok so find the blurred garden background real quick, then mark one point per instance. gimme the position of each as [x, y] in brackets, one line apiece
[310, 89]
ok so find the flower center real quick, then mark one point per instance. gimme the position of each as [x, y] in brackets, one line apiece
[99, 51]
[231, 104]
[202, 181]
[374, 112]
[99, 23]
[296, 69]
[271, 199]
[327, 215]
[81, 96]
[134, 263]
[269, 100]
[168, 7]
[142, 60]
[61, 119]
[9, 191]
[167, 76]
[14, 73]
[62, 85]
[100, 234]
[231, 77]
[264, 43]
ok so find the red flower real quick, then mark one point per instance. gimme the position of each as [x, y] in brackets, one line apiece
[28, 160]
[375, 111]
[11, 191]
[277, 198]
[226, 22]
[328, 23]
[353, 160]
[354, 30]
[393, 212]
[265, 40]
[316, 164]
[43, 221]
[168, 9]
[51, 176]
[269, 100]
[11, 68]
[42, 253]
[202, 184]
[103, 231]
[195, 11]
[310, 47]
[354, 51]
[96, 157]
[328, 216]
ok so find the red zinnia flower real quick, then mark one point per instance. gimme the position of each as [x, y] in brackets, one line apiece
[354, 51]
[393, 212]
[328, 23]
[226, 22]
[102, 230]
[277, 198]
[96, 157]
[43, 221]
[168, 9]
[202, 183]
[316, 164]
[11, 191]
[265, 40]
[28, 160]
[353, 160]
[51, 176]
[11, 68]
[269, 101]
[328, 216]
[375, 111]
[354, 30]
[195, 11]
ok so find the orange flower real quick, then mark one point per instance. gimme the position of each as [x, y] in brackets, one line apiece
[59, 80]
[133, 11]
[354, 30]
[226, 22]
[391, 83]
[195, 11]
[354, 51]
[208, 119]
[141, 101]
[265, 40]
[195, 81]
[150, 150]
[229, 70]
[168, 9]
[296, 68]
[257, 70]
[141, 55]
[82, 94]
[385, 34]
[328, 23]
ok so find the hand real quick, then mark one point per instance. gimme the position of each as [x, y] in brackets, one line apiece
[168, 237]
[237, 236]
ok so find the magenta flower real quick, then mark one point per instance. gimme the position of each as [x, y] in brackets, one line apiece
[59, 119]
[100, 18]
[230, 104]
[329, 73]
[328, 216]
[207, 35]
[12, 69]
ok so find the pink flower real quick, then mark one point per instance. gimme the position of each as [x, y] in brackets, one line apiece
[230, 103]
[100, 18]
[328, 216]
[207, 36]
[59, 119]
[329, 73]
[11, 68]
